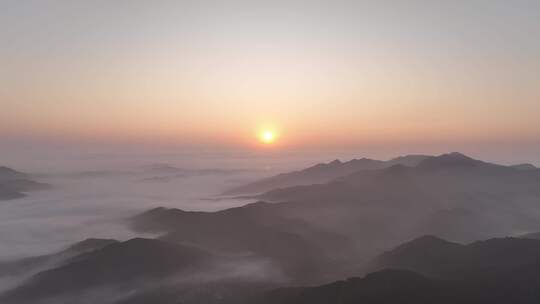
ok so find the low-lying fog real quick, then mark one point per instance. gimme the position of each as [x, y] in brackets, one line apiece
[91, 195]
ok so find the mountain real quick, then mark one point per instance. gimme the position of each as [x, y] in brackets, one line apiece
[320, 173]
[328, 172]
[24, 185]
[532, 235]
[122, 265]
[386, 287]
[13, 184]
[90, 244]
[303, 252]
[355, 217]
[453, 159]
[424, 255]
[32, 264]
[436, 257]
[138, 271]
[7, 174]
[308, 235]
[406, 287]
[431, 270]
[408, 160]
[451, 195]
[323, 173]
[524, 167]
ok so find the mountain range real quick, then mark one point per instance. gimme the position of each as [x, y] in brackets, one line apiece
[450, 195]
[358, 220]
[322, 173]
[119, 265]
[433, 270]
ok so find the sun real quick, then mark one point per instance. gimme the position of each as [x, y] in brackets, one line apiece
[267, 136]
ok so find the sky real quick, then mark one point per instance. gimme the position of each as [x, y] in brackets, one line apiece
[382, 77]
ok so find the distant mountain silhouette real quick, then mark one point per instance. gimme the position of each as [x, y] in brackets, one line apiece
[451, 195]
[328, 172]
[408, 160]
[363, 213]
[8, 174]
[323, 173]
[453, 159]
[90, 244]
[320, 173]
[13, 184]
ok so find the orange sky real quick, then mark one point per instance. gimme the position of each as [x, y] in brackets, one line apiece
[322, 73]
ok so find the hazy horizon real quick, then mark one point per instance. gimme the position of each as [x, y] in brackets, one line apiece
[385, 77]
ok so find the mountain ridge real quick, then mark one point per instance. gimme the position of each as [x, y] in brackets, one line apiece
[15, 184]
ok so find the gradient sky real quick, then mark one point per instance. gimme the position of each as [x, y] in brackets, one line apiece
[416, 75]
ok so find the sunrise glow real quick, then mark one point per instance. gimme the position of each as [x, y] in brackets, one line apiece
[267, 136]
